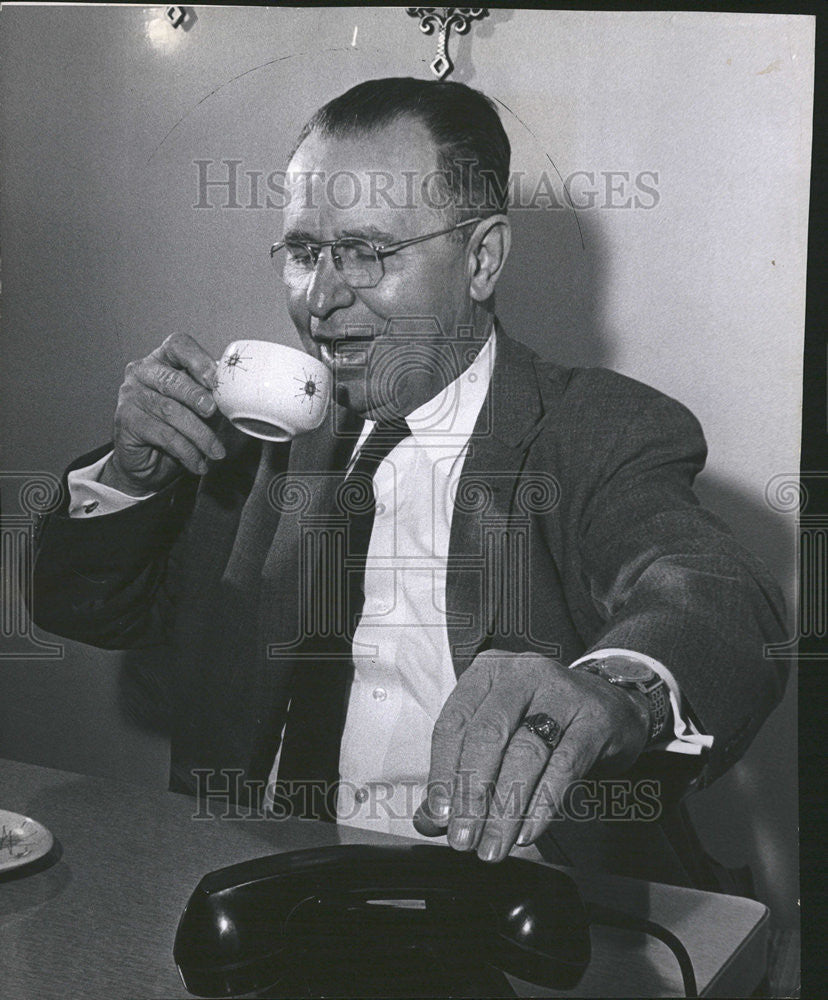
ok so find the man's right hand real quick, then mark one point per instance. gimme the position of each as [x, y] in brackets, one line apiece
[160, 427]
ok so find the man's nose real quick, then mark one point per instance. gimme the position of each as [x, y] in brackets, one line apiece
[327, 291]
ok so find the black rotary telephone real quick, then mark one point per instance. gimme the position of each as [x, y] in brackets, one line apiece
[358, 920]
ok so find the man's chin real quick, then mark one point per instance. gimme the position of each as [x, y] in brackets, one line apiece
[342, 396]
[352, 397]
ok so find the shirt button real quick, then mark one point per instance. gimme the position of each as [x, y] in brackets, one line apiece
[361, 795]
[379, 694]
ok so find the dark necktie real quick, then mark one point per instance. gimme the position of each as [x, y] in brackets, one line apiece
[319, 694]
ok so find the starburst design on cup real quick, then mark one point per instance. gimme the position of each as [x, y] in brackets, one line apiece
[234, 361]
[309, 390]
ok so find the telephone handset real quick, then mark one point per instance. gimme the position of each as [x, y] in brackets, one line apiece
[368, 920]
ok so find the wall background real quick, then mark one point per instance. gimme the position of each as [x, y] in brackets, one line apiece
[105, 110]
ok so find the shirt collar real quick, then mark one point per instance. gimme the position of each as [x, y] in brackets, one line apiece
[452, 412]
[450, 415]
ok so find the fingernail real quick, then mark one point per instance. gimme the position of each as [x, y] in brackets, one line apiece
[524, 837]
[206, 404]
[439, 808]
[461, 837]
[217, 450]
[489, 847]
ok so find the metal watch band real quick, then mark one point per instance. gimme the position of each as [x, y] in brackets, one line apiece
[658, 698]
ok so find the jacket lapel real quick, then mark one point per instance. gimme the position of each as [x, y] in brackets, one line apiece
[479, 548]
[305, 541]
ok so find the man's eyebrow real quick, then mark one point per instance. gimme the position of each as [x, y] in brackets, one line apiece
[299, 236]
[363, 233]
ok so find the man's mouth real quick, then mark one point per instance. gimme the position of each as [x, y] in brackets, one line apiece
[344, 354]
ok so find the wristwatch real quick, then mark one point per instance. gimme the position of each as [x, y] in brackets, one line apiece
[634, 675]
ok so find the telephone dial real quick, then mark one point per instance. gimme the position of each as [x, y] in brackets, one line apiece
[359, 920]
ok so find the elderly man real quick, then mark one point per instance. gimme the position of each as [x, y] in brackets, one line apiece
[543, 602]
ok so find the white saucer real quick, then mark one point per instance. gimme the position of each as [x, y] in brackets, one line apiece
[22, 840]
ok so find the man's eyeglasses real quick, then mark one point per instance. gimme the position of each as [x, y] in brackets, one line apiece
[358, 261]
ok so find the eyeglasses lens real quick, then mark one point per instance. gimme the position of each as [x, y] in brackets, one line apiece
[357, 262]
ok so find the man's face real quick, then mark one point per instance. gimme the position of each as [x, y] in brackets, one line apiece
[391, 347]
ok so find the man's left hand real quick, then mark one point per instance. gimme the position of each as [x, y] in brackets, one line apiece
[492, 781]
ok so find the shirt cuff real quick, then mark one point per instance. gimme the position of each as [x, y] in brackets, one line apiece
[686, 737]
[90, 498]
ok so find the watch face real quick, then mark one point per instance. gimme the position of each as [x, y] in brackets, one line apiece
[629, 671]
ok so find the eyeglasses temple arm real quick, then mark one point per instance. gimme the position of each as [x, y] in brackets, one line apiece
[393, 247]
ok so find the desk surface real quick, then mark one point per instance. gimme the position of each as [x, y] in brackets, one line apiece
[100, 923]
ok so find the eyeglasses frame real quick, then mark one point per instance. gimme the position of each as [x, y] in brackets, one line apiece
[381, 250]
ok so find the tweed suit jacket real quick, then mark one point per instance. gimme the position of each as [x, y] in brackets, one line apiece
[575, 528]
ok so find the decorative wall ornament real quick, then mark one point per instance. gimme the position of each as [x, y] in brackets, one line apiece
[175, 15]
[444, 19]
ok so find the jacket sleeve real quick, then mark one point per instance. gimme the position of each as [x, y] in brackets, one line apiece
[109, 581]
[669, 579]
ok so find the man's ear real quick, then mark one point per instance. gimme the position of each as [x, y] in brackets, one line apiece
[488, 249]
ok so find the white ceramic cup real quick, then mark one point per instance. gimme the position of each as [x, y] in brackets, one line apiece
[271, 391]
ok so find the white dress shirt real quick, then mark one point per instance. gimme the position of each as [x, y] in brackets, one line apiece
[403, 670]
